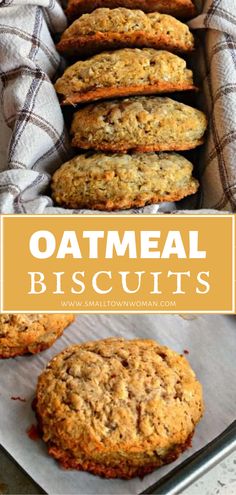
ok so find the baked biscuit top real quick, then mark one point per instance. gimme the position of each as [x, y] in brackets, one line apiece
[139, 123]
[115, 181]
[15, 327]
[122, 20]
[10, 323]
[116, 393]
[126, 67]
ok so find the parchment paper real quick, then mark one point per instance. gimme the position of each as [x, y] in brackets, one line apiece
[211, 342]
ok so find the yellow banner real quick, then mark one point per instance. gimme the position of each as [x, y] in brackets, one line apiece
[118, 263]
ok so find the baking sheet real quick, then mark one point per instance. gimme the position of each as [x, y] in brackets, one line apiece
[211, 342]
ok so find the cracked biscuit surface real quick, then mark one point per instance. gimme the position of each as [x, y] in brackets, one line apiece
[125, 72]
[177, 8]
[118, 408]
[30, 333]
[112, 181]
[138, 124]
[107, 29]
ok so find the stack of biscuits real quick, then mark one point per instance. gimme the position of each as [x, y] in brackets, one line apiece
[126, 59]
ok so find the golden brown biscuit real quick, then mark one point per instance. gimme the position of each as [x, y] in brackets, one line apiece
[139, 124]
[109, 29]
[109, 182]
[30, 333]
[177, 8]
[118, 408]
[123, 73]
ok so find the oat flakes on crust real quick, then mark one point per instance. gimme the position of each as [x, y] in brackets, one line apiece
[124, 72]
[111, 181]
[139, 124]
[118, 408]
[30, 333]
[109, 29]
[177, 8]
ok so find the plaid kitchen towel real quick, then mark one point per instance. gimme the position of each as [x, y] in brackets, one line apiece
[216, 63]
[38, 141]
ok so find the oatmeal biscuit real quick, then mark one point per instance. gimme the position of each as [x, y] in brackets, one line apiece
[130, 71]
[139, 124]
[118, 408]
[177, 8]
[123, 73]
[30, 333]
[109, 29]
[108, 182]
